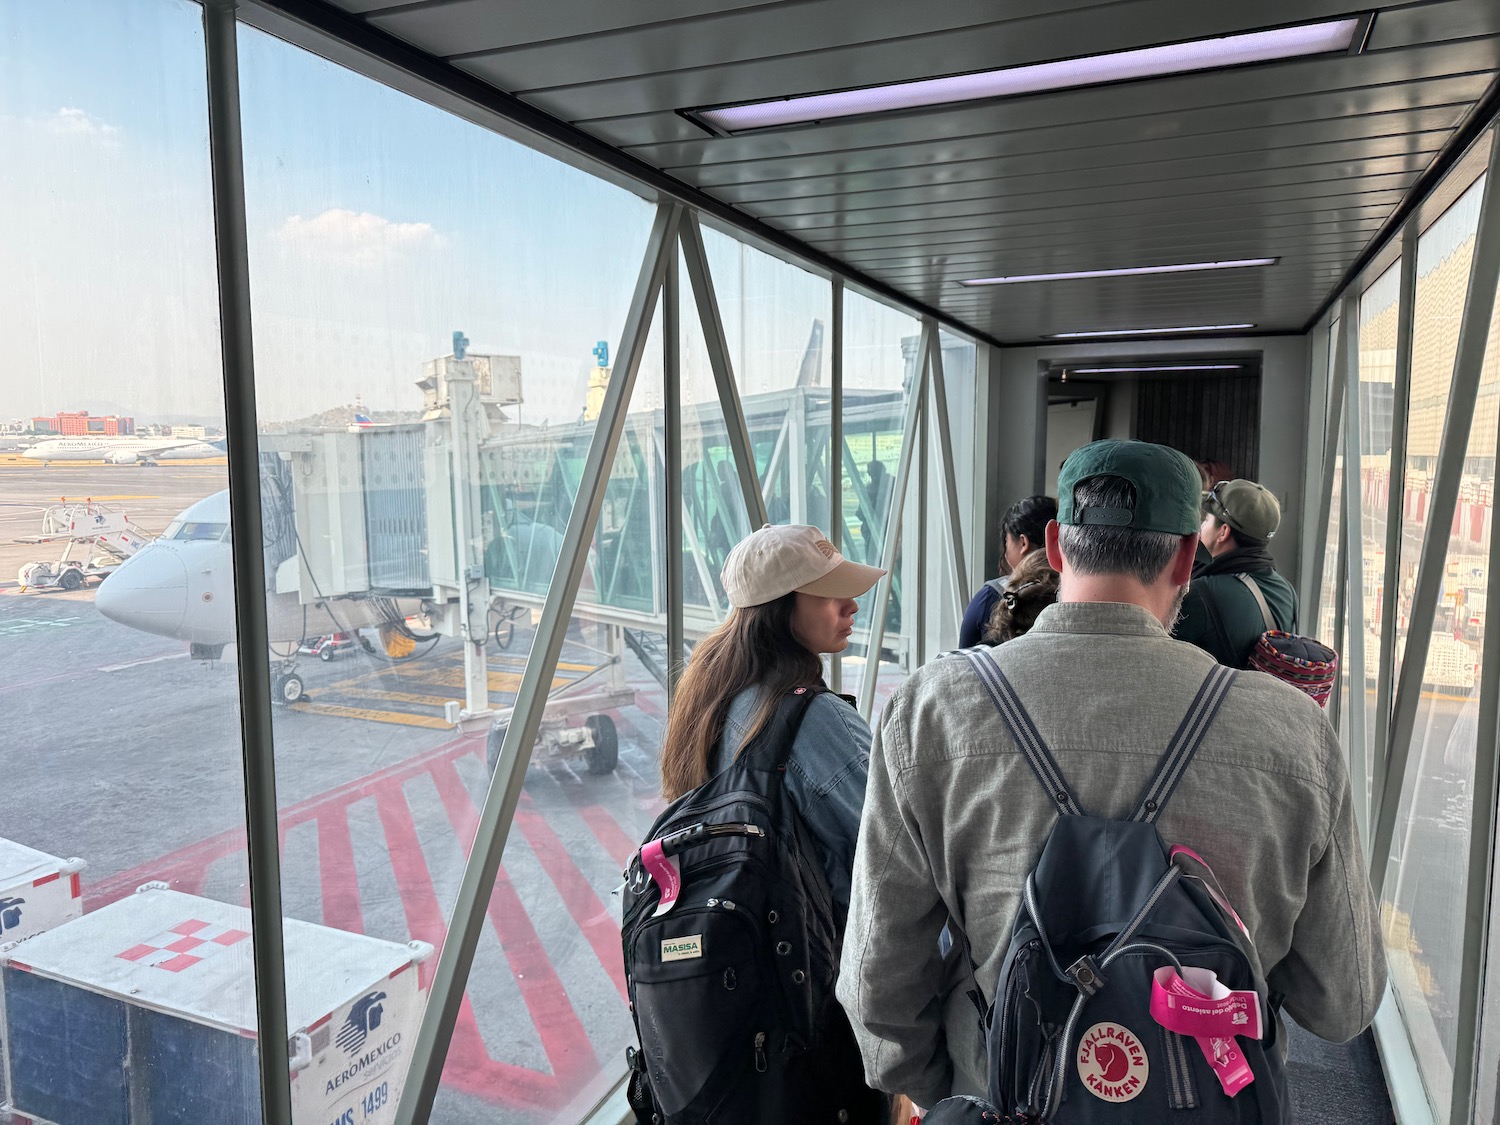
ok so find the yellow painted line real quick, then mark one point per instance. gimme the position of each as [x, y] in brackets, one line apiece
[406, 697]
[401, 718]
[498, 681]
[562, 665]
[92, 496]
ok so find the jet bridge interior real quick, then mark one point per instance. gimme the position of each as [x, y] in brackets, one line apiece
[1268, 234]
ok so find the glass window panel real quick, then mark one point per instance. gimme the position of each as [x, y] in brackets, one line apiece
[880, 356]
[943, 604]
[1425, 882]
[776, 318]
[1444, 253]
[119, 749]
[714, 515]
[430, 303]
[1486, 419]
[1377, 386]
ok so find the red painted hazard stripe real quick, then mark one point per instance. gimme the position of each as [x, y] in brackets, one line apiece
[563, 1037]
[340, 885]
[593, 917]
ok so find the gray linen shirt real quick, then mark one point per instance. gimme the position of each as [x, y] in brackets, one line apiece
[955, 819]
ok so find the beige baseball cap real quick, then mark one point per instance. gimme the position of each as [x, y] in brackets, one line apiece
[782, 558]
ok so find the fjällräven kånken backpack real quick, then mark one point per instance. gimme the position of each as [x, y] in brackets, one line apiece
[1126, 993]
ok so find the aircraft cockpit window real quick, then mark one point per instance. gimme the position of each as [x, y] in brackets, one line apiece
[196, 530]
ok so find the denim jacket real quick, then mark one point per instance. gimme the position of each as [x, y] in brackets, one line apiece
[825, 775]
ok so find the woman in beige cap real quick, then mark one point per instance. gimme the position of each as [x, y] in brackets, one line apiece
[792, 595]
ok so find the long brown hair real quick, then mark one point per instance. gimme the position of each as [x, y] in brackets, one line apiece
[755, 646]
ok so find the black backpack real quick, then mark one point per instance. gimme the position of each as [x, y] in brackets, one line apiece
[731, 984]
[1096, 1018]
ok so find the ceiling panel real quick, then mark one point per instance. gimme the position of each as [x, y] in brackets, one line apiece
[1305, 160]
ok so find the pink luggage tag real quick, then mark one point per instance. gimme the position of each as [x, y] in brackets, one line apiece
[1195, 1004]
[666, 872]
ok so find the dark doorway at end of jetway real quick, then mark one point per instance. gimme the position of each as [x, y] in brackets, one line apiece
[1208, 407]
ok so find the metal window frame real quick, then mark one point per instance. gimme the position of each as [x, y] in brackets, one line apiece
[1394, 517]
[1473, 338]
[1337, 381]
[945, 454]
[1318, 374]
[836, 451]
[257, 742]
[916, 396]
[1356, 744]
[450, 979]
[671, 321]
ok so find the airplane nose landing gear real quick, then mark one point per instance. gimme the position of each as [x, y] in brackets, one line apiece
[286, 684]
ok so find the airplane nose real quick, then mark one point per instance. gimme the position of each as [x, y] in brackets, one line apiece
[149, 592]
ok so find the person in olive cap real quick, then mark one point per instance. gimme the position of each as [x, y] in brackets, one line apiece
[1236, 595]
[954, 820]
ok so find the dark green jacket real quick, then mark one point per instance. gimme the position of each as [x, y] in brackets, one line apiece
[1220, 614]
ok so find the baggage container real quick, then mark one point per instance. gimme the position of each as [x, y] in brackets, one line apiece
[144, 1011]
[37, 891]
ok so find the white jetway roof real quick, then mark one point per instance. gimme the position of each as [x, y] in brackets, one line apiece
[1310, 160]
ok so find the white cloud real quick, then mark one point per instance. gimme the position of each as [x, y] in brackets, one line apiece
[356, 236]
[70, 121]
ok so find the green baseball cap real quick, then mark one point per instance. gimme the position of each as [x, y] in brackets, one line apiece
[1168, 489]
[1249, 508]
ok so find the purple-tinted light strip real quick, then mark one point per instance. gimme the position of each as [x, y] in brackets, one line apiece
[1092, 70]
[1131, 370]
[1149, 331]
[1129, 271]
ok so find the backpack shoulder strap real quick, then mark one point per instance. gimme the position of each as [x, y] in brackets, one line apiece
[1023, 731]
[1260, 599]
[1185, 742]
[772, 744]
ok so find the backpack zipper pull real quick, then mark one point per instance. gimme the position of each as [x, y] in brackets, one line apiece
[760, 1052]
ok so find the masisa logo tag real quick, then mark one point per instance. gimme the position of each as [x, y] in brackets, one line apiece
[682, 948]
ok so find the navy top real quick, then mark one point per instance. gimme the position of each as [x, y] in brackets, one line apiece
[825, 776]
[977, 616]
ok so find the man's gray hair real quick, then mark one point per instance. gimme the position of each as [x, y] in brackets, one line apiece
[1096, 549]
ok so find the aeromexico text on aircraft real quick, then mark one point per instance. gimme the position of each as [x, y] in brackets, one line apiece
[122, 450]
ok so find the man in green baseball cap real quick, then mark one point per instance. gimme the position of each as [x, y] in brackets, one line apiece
[1237, 595]
[1086, 702]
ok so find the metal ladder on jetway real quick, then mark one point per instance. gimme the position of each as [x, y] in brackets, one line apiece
[651, 650]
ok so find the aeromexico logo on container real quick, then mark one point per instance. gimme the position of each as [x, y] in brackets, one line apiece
[10, 913]
[364, 1017]
[360, 1039]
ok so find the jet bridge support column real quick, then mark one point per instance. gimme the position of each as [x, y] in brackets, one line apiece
[467, 428]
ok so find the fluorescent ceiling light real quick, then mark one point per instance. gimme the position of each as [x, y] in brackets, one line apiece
[1175, 367]
[1093, 70]
[1149, 331]
[1128, 271]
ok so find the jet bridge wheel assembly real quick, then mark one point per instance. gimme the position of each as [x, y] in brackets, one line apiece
[596, 741]
[604, 754]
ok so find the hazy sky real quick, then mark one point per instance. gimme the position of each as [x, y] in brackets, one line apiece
[377, 226]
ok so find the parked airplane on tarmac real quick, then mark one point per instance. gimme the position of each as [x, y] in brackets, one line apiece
[122, 450]
[182, 586]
